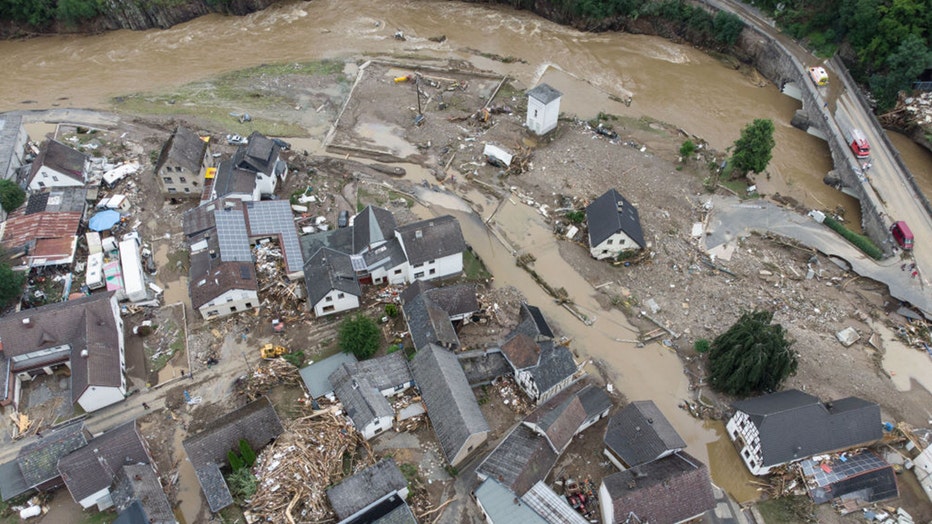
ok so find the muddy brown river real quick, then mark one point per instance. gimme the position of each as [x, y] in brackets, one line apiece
[669, 82]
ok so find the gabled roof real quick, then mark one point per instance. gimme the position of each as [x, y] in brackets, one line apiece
[232, 181]
[459, 299]
[138, 483]
[384, 372]
[133, 514]
[544, 93]
[522, 351]
[56, 155]
[47, 224]
[431, 239]
[256, 422]
[329, 270]
[259, 154]
[562, 415]
[640, 433]
[37, 461]
[482, 366]
[209, 277]
[672, 489]
[609, 214]
[841, 424]
[552, 507]
[364, 488]
[556, 364]
[502, 506]
[451, 404]
[532, 323]
[391, 509]
[183, 149]
[362, 402]
[339, 239]
[429, 324]
[387, 256]
[92, 468]
[316, 376]
[371, 226]
[520, 460]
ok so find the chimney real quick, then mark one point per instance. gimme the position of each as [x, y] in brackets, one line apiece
[418, 234]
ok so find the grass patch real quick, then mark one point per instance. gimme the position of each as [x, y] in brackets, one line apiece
[158, 357]
[394, 195]
[473, 268]
[369, 197]
[865, 244]
[787, 510]
[738, 185]
[179, 261]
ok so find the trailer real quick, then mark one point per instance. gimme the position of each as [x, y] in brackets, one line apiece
[94, 278]
[134, 281]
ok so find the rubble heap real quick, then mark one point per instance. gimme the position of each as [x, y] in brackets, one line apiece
[265, 377]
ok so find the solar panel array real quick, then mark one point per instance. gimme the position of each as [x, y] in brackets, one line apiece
[232, 236]
[274, 217]
[855, 465]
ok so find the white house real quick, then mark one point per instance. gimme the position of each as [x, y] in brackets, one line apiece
[541, 368]
[434, 248]
[222, 288]
[614, 226]
[543, 109]
[57, 165]
[788, 426]
[252, 172]
[331, 283]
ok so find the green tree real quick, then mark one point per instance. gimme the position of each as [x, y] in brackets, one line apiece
[904, 65]
[242, 484]
[360, 336]
[236, 463]
[752, 356]
[754, 149]
[11, 195]
[727, 27]
[687, 150]
[11, 284]
[247, 453]
[73, 11]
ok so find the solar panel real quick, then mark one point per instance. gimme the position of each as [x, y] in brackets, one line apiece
[244, 273]
[232, 236]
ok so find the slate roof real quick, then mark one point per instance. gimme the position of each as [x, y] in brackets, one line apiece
[229, 180]
[92, 468]
[451, 404]
[520, 460]
[552, 507]
[532, 323]
[12, 482]
[562, 415]
[56, 155]
[362, 402]
[609, 214]
[482, 366]
[388, 255]
[544, 93]
[133, 514]
[456, 300]
[200, 219]
[340, 240]
[371, 226]
[139, 483]
[328, 270]
[556, 364]
[392, 509]
[640, 433]
[38, 460]
[672, 489]
[364, 488]
[256, 422]
[864, 476]
[259, 154]
[431, 239]
[209, 277]
[428, 323]
[794, 425]
[10, 126]
[502, 506]
[316, 376]
[184, 149]
[384, 372]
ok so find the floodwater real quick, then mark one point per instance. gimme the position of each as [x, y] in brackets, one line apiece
[903, 363]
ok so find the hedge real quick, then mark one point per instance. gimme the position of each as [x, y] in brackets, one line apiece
[860, 241]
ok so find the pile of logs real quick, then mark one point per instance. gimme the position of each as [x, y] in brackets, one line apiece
[267, 375]
[295, 471]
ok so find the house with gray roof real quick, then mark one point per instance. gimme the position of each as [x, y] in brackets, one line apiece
[542, 367]
[500, 506]
[451, 405]
[430, 312]
[638, 434]
[256, 422]
[362, 402]
[388, 373]
[522, 459]
[674, 489]
[36, 464]
[372, 227]
[788, 426]
[543, 109]
[332, 286]
[182, 165]
[614, 226]
[89, 471]
[434, 248]
[138, 483]
[316, 376]
[569, 413]
[13, 140]
[58, 165]
[370, 485]
[252, 172]
[85, 334]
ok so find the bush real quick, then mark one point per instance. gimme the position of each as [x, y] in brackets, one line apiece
[242, 484]
[860, 241]
[247, 453]
[702, 345]
[11, 195]
[576, 216]
[687, 150]
[391, 310]
[296, 359]
[236, 463]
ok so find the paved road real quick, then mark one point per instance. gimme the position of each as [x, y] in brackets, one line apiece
[732, 218]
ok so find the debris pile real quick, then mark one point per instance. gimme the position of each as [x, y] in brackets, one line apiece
[511, 395]
[268, 375]
[295, 471]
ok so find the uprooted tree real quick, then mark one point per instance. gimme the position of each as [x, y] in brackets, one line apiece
[752, 356]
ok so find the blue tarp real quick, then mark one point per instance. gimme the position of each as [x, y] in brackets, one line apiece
[104, 220]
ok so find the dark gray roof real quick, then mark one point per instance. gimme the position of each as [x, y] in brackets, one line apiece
[556, 363]
[316, 376]
[328, 270]
[459, 299]
[256, 422]
[794, 425]
[229, 180]
[391, 509]
[371, 226]
[864, 475]
[640, 433]
[544, 93]
[520, 460]
[502, 506]
[451, 404]
[92, 468]
[672, 489]
[609, 214]
[364, 488]
[340, 239]
[10, 127]
[388, 255]
[432, 239]
[38, 460]
[184, 149]
[133, 514]
[482, 366]
[58, 156]
[200, 219]
[429, 324]
[562, 415]
[362, 402]
[12, 482]
[59, 200]
[543, 328]
[259, 155]
[384, 372]
[139, 483]
[594, 400]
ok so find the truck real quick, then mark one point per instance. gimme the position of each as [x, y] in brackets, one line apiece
[858, 143]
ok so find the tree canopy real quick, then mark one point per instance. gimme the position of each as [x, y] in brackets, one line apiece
[360, 336]
[11, 284]
[754, 149]
[11, 195]
[753, 355]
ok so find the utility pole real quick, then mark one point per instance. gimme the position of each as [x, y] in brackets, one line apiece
[417, 90]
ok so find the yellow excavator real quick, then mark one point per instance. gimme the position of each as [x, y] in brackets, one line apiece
[270, 351]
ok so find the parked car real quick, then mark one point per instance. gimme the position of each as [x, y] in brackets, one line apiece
[284, 146]
[343, 219]
[902, 235]
[236, 140]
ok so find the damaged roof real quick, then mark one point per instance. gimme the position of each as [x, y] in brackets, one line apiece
[329, 270]
[92, 468]
[562, 415]
[362, 402]
[369, 485]
[139, 483]
[37, 461]
[520, 460]
[372, 225]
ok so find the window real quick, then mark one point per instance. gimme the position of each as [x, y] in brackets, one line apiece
[328, 298]
[212, 313]
[54, 178]
[340, 295]
[232, 309]
[397, 271]
[248, 304]
[378, 422]
[328, 309]
[432, 271]
[747, 454]
[419, 274]
[41, 184]
[168, 169]
[535, 113]
[604, 251]
[229, 299]
[187, 190]
[167, 179]
[172, 190]
[610, 241]
[182, 179]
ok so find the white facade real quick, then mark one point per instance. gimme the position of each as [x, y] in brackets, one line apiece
[607, 505]
[612, 246]
[744, 434]
[47, 177]
[376, 426]
[134, 281]
[231, 301]
[391, 275]
[334, 302]
[100, 498]
[98, 397]
[439, 268]
[542, 118]
[922, 467]
[265, 185]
